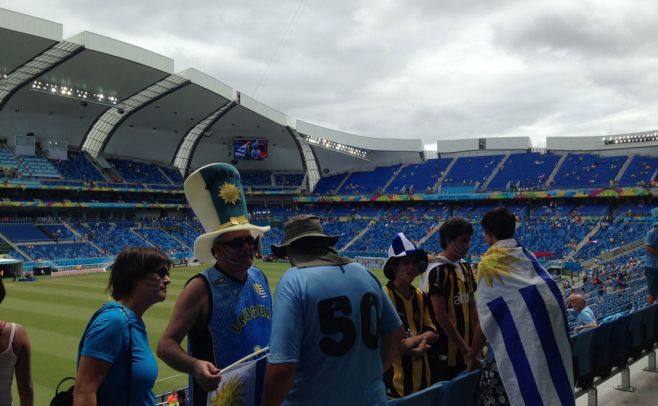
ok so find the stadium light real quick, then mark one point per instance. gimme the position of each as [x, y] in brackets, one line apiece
[337, 147]
[650, 136]
[73, 93]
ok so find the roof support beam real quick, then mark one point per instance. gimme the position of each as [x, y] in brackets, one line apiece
[309, 160]
[101, 131]
[49, 59]
[189, 144]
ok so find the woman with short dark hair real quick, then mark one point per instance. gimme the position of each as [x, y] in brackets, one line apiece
[115, 363]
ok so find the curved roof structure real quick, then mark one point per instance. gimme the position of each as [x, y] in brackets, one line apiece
[113, 98]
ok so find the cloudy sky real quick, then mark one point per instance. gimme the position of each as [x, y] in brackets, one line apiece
[429, 69]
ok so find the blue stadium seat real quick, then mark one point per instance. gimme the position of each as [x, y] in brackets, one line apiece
[581, 347]
[462, 390]
[471, 171]
[619, 341]
[524, 171]
[636, 333]
[640, 171]
[601, 354]
[426, 397]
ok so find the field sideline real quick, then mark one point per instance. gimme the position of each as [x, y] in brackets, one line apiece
[56, 311]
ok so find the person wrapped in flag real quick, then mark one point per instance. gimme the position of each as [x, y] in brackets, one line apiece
[522, 316]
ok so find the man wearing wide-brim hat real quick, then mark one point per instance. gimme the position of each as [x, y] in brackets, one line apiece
[226, 310]
[334, 331]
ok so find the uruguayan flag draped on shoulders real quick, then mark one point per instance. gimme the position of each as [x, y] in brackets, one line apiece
[522, 315]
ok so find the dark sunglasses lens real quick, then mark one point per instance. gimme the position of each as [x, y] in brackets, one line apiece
[239, 242]
[162, 273]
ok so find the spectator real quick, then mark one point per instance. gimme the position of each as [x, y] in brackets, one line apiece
[585, 318]
[15, 356]
[116, 334]
[410, 371]
[172, 399]
[320, 351]
[214, 308]
[519, 311]
[651, 262]
[450, 285]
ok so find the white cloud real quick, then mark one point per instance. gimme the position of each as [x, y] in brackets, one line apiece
[423, 69]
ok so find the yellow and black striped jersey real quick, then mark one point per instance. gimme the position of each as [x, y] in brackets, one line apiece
[455, 284]
[409, 374]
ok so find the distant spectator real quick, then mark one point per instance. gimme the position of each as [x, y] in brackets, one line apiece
[585, 318]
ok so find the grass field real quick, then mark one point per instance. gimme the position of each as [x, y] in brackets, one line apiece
[56, 311]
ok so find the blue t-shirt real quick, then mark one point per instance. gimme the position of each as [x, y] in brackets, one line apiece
[106, 339]
[651, 239]
[585, 317]
[329, 320]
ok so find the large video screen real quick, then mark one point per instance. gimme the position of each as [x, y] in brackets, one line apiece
[250, 149]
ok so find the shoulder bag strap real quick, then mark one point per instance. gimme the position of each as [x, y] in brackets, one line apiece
[130, 355]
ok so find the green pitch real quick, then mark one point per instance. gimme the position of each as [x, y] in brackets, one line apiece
[56, 311]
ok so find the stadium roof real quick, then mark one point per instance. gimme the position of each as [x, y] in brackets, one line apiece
[110, 97]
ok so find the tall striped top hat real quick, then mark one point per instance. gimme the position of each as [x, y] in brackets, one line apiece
[402, 247]
[215, 194]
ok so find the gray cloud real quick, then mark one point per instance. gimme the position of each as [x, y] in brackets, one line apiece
[423, 69]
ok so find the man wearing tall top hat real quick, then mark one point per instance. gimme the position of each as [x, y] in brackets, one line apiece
[334, 331]
[226, 310]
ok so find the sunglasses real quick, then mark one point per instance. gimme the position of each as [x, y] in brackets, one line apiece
[162, 273]
[239, 242]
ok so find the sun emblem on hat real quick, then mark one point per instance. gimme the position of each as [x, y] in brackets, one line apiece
[229, 193]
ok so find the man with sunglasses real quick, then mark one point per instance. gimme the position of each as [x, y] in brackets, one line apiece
[226, 310]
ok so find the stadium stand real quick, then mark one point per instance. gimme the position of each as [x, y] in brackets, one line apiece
[138, 172]
[60, 251]
[368, 182]
[526, 171]
[472, 170]
[588, 170]
[328, 184]
[21, 232]
[640, 172]
[421, 177]
[288, 179]
[78, 167]
[38, 167]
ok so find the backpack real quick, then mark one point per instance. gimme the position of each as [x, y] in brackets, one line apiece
[65, 397]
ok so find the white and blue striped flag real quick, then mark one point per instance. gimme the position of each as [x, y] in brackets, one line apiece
[522, 314]
[242, 382]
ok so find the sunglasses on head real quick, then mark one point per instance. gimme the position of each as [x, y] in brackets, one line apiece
[239, 242]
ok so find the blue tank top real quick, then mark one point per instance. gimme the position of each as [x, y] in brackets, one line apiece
[240, 318]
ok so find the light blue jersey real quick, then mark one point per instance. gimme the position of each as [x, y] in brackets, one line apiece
[329, 320]
[239, 324]
[651, 239]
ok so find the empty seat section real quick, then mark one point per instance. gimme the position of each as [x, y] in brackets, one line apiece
[640, 172]
[369, 181]
[524, 171]
[471, 171]
[422, 177]
[588, 170]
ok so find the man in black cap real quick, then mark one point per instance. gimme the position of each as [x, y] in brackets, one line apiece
[334, 331]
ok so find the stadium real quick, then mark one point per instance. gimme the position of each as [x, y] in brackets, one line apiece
[97, 137]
